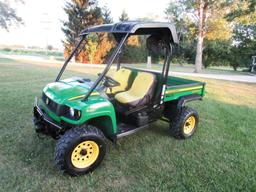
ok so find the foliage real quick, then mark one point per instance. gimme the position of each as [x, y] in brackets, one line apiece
[175, 14]
[199, 19]
[184, 22]
[81, 14]
[243, 17]
[106, 14]
[228, 36]
[244, 49]
[217, 53]
[185, 51]
[124, 16]
[91, 47]
[134, 50]
[242, 9]
[105, 45]
[8, 15]
[218, 29]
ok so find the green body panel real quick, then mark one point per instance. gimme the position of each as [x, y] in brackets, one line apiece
[179, 87]
[70, 92]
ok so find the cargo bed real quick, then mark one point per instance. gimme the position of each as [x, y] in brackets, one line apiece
[177, 87]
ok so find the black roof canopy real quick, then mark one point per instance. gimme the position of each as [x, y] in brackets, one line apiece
[137, 28]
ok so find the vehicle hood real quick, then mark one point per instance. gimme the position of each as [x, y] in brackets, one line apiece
[67, 90]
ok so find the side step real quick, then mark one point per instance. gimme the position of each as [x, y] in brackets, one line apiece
[126, 129]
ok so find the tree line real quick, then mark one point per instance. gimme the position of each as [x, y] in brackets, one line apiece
[216, 33]
[86, 13]
[212, 33]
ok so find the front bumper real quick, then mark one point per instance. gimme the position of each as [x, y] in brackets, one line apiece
[44, 124]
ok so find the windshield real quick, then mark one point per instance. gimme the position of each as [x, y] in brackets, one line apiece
[95, 53]
[90, 57]
[96, 48]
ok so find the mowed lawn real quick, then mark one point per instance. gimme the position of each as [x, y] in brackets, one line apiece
[220, 157]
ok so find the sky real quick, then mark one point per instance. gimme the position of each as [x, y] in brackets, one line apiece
[42, 19]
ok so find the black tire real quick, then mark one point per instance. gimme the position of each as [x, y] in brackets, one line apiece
[72, 139]
[178, 122]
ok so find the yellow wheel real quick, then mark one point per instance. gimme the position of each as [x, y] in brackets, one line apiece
[85, 154]
[189, 125]
[184, 124]
[80, 150]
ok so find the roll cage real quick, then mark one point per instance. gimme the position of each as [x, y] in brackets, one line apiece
[121, 32]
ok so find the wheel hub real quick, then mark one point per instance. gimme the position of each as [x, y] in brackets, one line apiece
[189, 125]
[85, 154]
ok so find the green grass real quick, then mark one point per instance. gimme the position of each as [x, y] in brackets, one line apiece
[220, 157]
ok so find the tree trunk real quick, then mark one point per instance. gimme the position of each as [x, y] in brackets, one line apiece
[200, 37]
[199, 55]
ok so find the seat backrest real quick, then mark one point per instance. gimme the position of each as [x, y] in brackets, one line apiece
[143, 85]
[121, 76]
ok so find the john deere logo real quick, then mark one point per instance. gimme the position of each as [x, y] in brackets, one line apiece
[47, 101]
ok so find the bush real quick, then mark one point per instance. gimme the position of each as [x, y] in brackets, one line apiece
[217, 53]
[7, 49]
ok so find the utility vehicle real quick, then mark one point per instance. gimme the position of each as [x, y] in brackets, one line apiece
[82, 113]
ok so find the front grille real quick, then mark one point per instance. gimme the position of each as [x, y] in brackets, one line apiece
[60, 110]
[44, 97]
[53, 106]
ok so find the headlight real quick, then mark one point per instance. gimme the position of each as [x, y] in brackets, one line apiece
[72, 113]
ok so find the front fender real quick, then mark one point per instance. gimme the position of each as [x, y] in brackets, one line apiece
[101, 112]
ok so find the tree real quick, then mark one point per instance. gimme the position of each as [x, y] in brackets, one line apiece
[134, 50]
[186, 28]
[124, 16]
[243, 18]
[91, 47]
[217, 53]
[106, 14]
[244, 48]
[207, 16]
[8, 15]
[242, 9]
[175, 13]
[105, 45]
[81, 14]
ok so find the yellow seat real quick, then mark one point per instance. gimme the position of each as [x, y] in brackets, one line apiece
[122, 77]
[140, 92]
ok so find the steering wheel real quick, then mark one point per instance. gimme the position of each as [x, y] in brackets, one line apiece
[109, 81]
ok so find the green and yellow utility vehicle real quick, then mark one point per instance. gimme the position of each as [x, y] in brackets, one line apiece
[82, 113]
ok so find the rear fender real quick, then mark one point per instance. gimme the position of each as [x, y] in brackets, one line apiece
[174, 107]
[183, 100]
